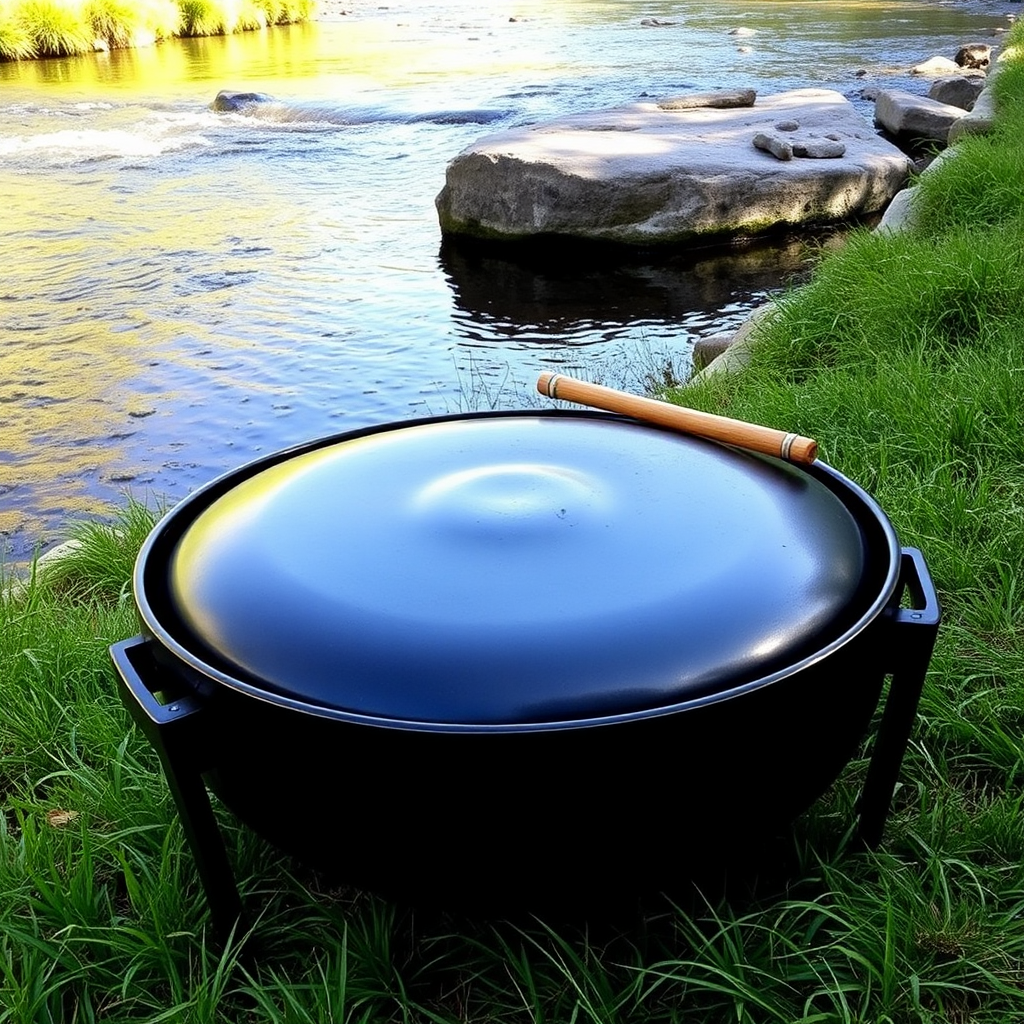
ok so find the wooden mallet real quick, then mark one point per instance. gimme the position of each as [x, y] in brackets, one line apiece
[765, 440]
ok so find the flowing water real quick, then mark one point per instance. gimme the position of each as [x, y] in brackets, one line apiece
[182, 289]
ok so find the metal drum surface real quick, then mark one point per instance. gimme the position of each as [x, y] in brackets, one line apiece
[512, 570]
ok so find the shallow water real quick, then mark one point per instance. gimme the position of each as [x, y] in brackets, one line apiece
[184, 289]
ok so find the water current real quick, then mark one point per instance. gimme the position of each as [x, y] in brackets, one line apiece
[182, 290]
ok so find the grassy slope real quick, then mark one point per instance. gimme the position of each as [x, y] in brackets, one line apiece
[905, 359]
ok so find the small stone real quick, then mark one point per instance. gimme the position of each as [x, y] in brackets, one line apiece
[819, 149]
[779, 148]
[787, 126]
[721, 99]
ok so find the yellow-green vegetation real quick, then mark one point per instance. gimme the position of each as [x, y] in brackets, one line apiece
[905, 357]
[56, 28]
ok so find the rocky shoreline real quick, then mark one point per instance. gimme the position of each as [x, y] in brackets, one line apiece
[729, 353]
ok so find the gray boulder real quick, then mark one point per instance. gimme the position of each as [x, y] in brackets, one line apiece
[980, 119]
[957, 90]
[906, 115]
[641, 175]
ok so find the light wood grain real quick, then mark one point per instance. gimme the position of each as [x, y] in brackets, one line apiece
[751, 436]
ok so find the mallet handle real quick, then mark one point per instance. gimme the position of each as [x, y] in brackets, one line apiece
[756, 438]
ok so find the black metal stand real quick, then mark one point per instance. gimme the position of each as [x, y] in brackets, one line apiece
[920, 623]
[175, 728]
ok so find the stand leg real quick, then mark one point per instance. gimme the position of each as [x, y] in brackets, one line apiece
[175, 729]
[913, 637]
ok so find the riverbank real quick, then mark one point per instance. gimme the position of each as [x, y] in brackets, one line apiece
[32, 29]
[903, 357]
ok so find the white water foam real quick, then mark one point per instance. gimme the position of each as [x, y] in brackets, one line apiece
[150, 137]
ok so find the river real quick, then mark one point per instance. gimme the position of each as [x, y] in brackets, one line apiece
[182, 290]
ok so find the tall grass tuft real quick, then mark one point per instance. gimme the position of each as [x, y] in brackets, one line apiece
[202, 18]
[121, 23]
[286, 12]
[57, 28]
[49, 28]
[15, 38]
[223, 17]
[99, 561]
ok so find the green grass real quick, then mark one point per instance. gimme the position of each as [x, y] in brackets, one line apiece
[57, 28]
[121, 23]
[905, 358]
[15, 39]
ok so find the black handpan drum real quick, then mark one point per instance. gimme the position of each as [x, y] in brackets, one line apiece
[505, 654]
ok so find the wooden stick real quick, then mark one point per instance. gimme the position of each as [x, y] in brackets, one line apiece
[766, 440]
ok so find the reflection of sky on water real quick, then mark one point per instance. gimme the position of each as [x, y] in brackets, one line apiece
[182, 290]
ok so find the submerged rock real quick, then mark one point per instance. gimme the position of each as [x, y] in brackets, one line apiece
[643, 175]
[230, 102]
[267, 108]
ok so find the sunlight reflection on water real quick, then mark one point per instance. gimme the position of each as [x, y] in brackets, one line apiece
[183, 290]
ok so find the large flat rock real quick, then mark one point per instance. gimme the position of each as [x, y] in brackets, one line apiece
[643, 175]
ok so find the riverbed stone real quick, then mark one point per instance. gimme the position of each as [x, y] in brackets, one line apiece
[907, 115]
[641, 175]
[709, 348]
[957, 90]
[899, 215]
[735, 355]
[974, 55]
[980, 119]
[228, 101]
[935, 66]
